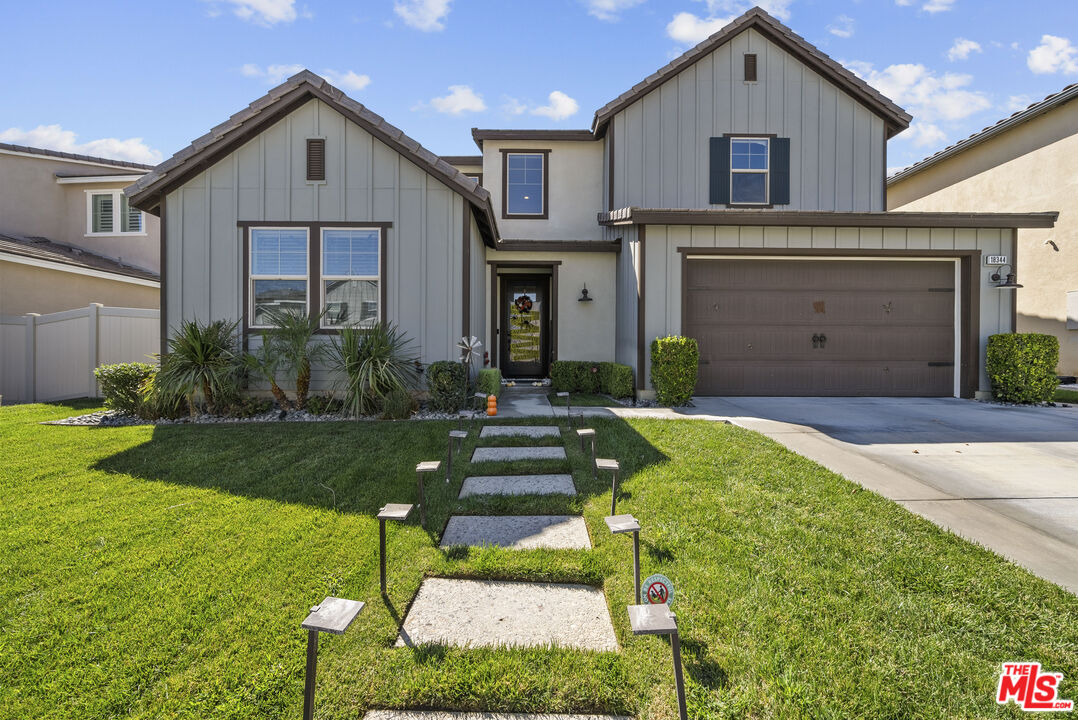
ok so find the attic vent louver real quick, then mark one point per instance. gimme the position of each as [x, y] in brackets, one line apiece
[750, 67]
[316, 160]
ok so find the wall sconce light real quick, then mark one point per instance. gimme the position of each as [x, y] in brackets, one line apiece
[1010, 283]
[584, 295]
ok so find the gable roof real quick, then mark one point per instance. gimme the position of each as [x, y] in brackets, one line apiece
[895, 117]
[1035, 110]
[39, 248]
[203, 152]
[45, 152]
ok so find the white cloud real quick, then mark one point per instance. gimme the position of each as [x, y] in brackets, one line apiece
[1054, 54]
[425, 15]
[931, 98]
[348, 80]
[1016, 103]
[778, 8]
[937, 6]
[272, 74]
[609, 10]
[561, 106]
[962, 49]
[842, 26]
[512, 106]
[461, 99]
[261, 12]
[54, 137]
[691, 29]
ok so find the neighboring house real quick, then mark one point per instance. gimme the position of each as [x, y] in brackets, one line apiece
[1026, 161]
[68, 237]
[737, 195]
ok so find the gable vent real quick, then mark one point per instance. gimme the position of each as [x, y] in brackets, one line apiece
[316, 159]
[750, 67]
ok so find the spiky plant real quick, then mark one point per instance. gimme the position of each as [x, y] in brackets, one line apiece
[373, 362]
[202, 358]
[266, 362]
[291, 336]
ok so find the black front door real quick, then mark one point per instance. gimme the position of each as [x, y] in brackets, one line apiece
[524, 322]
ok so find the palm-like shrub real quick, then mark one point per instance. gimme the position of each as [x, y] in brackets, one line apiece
[266, 362]
[202, 358]
[290, 340]
[374, 362]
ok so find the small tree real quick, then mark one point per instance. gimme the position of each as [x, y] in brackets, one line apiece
[291, 339]
[266, 361]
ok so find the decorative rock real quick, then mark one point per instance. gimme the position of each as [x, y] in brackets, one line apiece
[518, 485]
[518, 532]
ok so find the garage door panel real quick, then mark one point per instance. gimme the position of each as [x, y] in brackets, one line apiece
[889, 326]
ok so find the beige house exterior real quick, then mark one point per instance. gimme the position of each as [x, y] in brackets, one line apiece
[1026, 162]
[51, 256]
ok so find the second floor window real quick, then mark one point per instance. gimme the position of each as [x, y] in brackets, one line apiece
[108, 213]
[749, 168]
[525, 184]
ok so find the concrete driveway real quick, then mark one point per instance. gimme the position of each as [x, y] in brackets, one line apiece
[1005, 477]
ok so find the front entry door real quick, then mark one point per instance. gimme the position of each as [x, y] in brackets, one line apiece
[524, 318]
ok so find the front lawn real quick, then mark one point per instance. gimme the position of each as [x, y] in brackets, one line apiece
[163, 572]
[1066, 396]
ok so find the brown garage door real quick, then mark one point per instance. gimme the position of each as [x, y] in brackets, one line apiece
[822, 327]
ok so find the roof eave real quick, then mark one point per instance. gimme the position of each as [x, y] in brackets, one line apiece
[811, 218]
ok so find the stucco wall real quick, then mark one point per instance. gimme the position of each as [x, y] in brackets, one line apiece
[1030, 168]
[26, 289]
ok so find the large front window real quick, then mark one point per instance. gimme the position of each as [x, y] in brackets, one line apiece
[351, 260]
[109, 213]
[749, 171]
[524, 184]
[279, 273]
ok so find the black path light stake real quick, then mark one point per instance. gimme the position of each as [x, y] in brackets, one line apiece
[456, 437]
[660, 620]
[569, 409]
[589, 433]
[333, 615]
[620, 524]
[392, 511]
[427, 466]
[614, 468]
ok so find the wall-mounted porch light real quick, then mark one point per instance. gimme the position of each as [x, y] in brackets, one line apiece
[584, 297]
[1010, 283]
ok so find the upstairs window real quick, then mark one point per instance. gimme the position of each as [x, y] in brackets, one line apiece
[749, 171]
[109, 213]
[279, 271]
[351, 268]
[525, 187]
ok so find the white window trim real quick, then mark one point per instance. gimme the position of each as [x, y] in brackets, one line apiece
[251, 276]
[115, 215]
[542, 186]
[747, 171]
[322, 278]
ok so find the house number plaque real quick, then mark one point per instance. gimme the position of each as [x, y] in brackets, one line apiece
[995, 260]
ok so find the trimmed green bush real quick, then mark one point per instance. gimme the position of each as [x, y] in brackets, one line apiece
[120, 385]
[398, 405]
[616, 380]
[574, 376]
[489, 381]
[674, 362]
[447, 384]
[1022, 367]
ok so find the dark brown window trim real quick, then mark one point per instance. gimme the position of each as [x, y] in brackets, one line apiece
[751, 206]
[641, 306]
[553, 265]
[314, 268]
[505, 183]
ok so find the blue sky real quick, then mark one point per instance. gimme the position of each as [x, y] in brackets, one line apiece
[139, 80]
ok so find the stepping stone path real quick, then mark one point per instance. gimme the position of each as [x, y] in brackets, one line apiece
[531, 431]
[441, 715]
[518, 485]
[512, 454]
[518, 532]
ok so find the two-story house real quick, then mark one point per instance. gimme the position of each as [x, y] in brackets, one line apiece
[737, 195]
[68, 236]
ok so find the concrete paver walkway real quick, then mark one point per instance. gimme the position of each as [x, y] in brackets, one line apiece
[512, 454]
[441, 715]
[518, 485]
[518, 532]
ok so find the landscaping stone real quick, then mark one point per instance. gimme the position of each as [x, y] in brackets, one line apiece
[475, 613]
[510, 454]
[518, 485]
[531, 431]
[445, 715]
[518, 532]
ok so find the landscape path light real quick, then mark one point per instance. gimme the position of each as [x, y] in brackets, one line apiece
[660, 620]
[392, 511]
[424, 468]
[614, 467]
[621, 524]
[332, 615]
[589, 434]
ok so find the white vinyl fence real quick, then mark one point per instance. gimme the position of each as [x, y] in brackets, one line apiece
[53, 357]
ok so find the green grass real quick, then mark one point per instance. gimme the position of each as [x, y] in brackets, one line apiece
[1067, 396]
[163, 572]
[582, 400]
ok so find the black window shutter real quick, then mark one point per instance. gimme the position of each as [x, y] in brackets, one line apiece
[780, 171]
[720, 171]
[316, 159]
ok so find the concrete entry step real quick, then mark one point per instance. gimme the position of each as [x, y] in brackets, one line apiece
[532, 431]
[518, 485]
[518, 532]
[445, 715]
[491, 613]
[511, 454]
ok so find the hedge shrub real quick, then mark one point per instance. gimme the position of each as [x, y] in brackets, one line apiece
[447, 385]
[574, 376]
[120, 385]
[489, 381]
[616, 380]
[1022, 367]
[674, 362]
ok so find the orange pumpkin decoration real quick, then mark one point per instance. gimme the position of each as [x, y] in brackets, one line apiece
[492, 405]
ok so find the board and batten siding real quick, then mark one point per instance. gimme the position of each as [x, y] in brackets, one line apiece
[662, 314]
[366, 181]
[837, 145]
